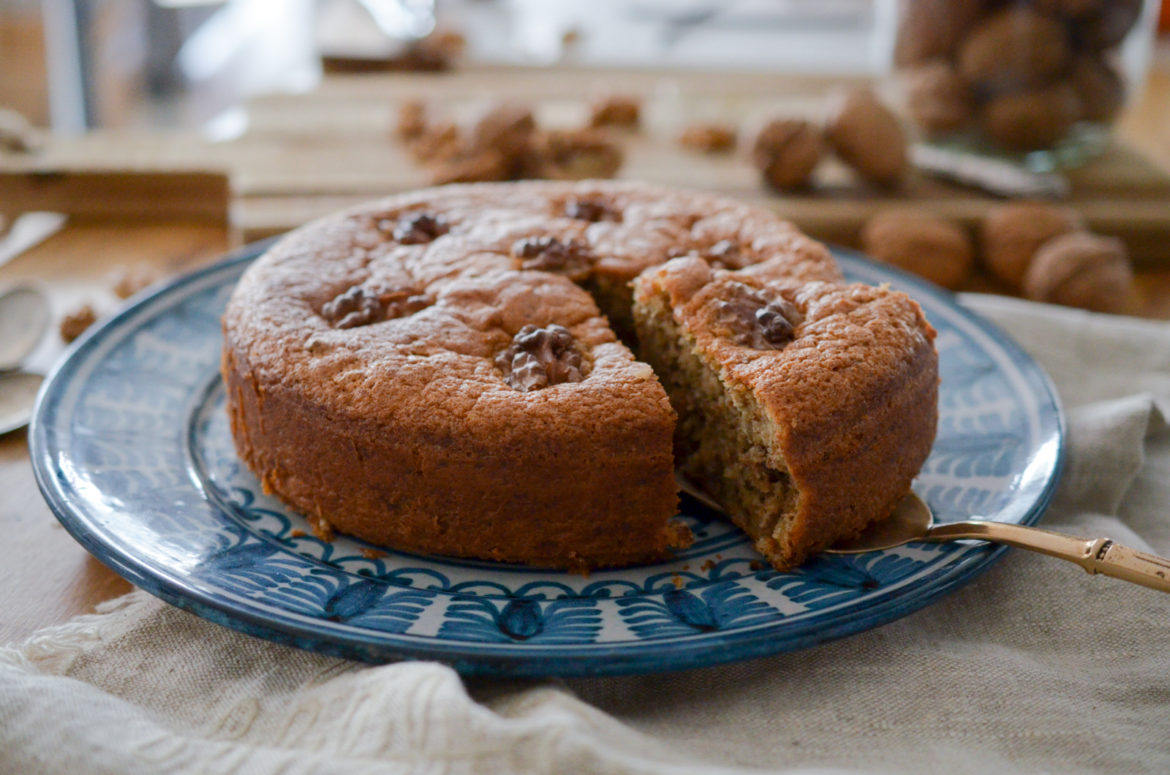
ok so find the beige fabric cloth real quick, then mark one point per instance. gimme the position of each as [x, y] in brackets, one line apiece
[1033, 667]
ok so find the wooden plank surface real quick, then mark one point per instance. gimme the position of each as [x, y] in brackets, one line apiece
[45, 575]
[304, 155]
[118, 193]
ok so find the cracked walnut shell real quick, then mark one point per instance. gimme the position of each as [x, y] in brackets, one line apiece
[787, 151]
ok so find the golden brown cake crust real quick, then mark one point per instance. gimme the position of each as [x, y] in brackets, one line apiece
[404, 432]
[362, 359]
[852, 398]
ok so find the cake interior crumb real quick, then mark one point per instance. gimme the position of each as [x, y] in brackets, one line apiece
[724, 442]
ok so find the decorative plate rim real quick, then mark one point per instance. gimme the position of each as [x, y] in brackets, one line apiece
[469, 657]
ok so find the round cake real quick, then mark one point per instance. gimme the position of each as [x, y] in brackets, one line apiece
[444, 371]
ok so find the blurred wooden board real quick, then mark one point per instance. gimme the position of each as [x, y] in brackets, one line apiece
[115, 175]
[305, 155]
[350, 121]
[193, 196]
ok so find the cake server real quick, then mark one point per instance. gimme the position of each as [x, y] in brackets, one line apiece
[913, 520]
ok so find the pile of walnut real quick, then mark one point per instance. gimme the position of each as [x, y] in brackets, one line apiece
[864, 133]
[1023, 73]
[1037, 249]
[506, 144]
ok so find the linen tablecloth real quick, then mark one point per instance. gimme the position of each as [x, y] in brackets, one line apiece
[1033, 667]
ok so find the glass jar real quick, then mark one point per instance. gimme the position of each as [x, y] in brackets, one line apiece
[1039, 81]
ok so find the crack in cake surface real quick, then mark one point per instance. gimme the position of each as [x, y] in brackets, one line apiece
[448, 410]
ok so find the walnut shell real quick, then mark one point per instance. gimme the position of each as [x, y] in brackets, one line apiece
[1070, 8]
[787, 151]
[1032, 120]
[1099, 86]
[868, 137]
[1109, 25]
[1081, 270]
[937, 99]
[1013, 50]
[1011, 234]
[928, 29]
[928, 246]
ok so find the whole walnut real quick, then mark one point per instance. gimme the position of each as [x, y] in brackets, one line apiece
[928, 29]
[1070, 8]
[787, 151]
[1032, 120]
[928, 246]
[1109, 24]
[1081, 270]
[867, 136]
[1099, 87]
[1014, 49]
[937, 99]
[1011, 234]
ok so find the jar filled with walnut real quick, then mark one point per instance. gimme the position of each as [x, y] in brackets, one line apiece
[1038, 80]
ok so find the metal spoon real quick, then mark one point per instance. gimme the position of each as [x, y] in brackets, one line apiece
[24, 316]
[913, 520]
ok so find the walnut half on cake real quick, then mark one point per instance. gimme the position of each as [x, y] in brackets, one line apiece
[805, 409]
[443, 372]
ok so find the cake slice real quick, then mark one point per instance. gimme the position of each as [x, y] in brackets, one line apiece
[805, 409]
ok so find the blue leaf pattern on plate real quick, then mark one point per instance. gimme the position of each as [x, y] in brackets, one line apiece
[133, 451]
[724, 605]
[521, 620]
[829, 579]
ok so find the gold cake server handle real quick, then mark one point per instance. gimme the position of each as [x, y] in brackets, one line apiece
[1095, 555]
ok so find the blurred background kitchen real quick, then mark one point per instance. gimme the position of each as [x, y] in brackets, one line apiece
[895, 126]
[184, 62]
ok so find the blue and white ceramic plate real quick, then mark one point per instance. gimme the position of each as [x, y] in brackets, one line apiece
[131, 448]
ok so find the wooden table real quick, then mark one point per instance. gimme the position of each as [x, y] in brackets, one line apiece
[45, 577]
